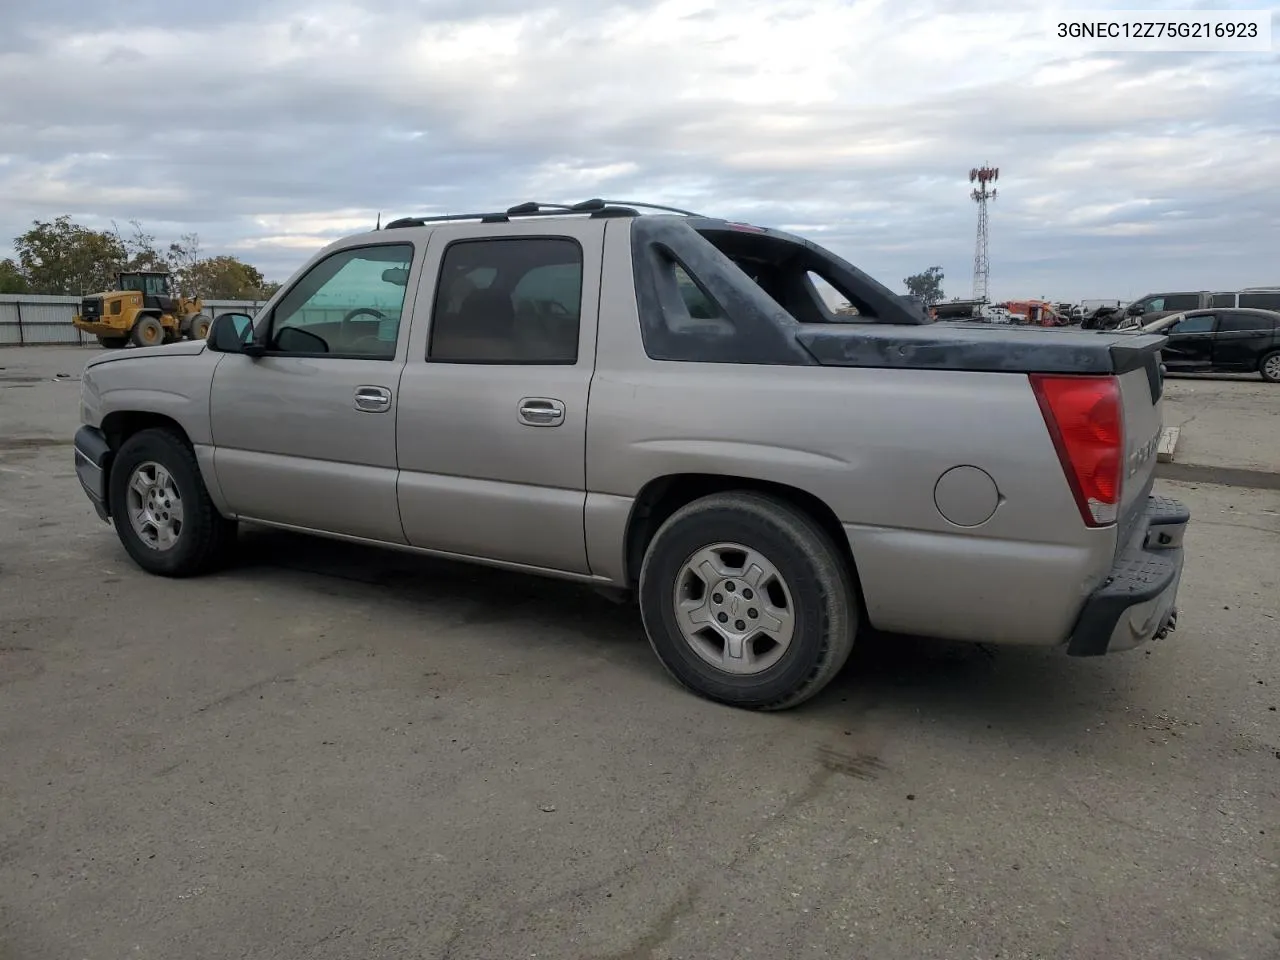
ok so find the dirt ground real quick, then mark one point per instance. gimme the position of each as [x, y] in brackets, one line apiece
[330, 752]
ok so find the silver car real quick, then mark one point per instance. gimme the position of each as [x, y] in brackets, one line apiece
[662, 406]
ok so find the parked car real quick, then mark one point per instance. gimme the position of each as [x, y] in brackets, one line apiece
[1155, 306]
[662, 407]
[1220, 341]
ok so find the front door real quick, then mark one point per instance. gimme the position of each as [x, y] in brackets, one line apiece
[493, 401]
[1190, 345]
[306, 435]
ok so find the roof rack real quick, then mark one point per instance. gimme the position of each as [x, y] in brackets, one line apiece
[593, 208]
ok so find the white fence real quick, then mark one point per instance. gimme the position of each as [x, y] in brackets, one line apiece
[29, 320]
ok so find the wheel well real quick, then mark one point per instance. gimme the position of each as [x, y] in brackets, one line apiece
[663, 496]
[119, 427]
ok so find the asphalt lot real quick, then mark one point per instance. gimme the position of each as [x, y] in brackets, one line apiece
[328, 752]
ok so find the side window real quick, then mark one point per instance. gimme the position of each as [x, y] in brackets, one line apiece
[697, 304]
[1223, 300]
[514, 300]
[1200, 323]
[1154, 304]
[348, 304]
[1181, 301]
[1238, 322]
[1261, 301]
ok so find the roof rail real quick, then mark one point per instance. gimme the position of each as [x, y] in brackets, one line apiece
[594, 208]
[532, 208]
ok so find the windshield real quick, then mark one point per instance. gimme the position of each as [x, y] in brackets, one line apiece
[151, 286]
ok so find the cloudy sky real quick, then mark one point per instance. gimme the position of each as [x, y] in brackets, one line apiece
[272, 126]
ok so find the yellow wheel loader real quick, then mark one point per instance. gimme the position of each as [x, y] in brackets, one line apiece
[143, 309]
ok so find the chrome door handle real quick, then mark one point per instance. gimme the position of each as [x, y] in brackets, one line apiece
[541, 412]
[373, 399]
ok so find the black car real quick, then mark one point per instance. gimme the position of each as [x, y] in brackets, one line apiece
[1220, 341]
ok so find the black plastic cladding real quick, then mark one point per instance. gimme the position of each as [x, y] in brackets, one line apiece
[767, 334]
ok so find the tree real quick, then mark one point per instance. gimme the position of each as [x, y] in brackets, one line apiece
[11, 278]
[140, 250]
[64, 258]
[224, 278]
[927, 286]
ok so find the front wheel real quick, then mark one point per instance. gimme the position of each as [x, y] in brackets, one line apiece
[161, 509]
[1270, 367]
[747, 601]
[147, 332]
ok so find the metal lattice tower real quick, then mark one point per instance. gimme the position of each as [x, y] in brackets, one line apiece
[983, 176]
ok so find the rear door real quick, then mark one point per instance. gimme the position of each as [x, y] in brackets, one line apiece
[1190, 345]
[1242, 339]
[493, 402]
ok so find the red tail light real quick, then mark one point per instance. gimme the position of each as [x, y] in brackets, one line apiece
[1085, 417]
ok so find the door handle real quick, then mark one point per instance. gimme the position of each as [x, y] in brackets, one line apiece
[373, 399]
[541, 412]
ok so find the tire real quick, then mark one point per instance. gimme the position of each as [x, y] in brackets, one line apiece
[113, 343]
[809, 575]
[1269, 367]
[200, 541]
[198, 327]
[147, 332]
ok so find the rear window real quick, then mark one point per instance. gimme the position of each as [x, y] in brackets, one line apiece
[1261, 301]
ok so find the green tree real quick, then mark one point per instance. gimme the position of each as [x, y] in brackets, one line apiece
[927, 286]
[11, 278]
[224, 278]
[64, 258]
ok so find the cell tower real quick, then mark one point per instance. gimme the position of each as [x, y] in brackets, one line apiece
[983, 177]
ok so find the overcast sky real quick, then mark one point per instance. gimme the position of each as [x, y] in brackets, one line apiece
[270, 127]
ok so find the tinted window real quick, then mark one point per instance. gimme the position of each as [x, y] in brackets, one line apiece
[347, 304]
[1261, 301]
[1223, 300]
[508, 301]
[1235, 322]
[1201, 323]
[1181, 301]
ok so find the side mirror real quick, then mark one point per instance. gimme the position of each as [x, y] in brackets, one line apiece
[231, 333]
[397, 275]
[1136, 310]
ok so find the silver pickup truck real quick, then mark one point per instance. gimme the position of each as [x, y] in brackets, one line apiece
[662, 405]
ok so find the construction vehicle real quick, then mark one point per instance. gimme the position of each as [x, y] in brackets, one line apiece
[142, 308]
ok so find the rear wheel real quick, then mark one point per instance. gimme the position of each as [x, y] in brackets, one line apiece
[198, 327]
[113, 343]
[747, 601]
[147, 332]
[1270, 367]
[161, 509]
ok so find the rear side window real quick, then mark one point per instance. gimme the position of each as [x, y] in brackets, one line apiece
[508, 301]
[1180, 301]
[1238, 322]
[1261, 301]
[1223, 300]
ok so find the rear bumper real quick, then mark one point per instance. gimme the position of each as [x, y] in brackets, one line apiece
[1138, 600]
[93, 467]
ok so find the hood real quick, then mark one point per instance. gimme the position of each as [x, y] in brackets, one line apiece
[183, 348]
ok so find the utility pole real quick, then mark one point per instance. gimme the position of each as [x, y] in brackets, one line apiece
[983, 176]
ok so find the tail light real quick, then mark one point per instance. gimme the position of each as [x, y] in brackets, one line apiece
[1085, 417]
